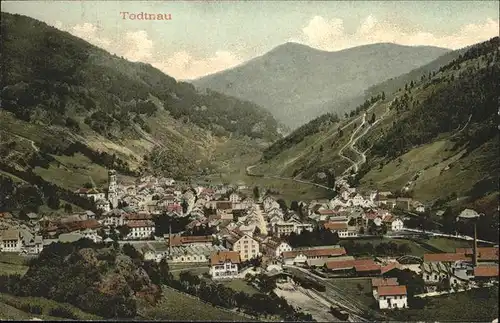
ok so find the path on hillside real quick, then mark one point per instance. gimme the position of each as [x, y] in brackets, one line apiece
[351, 144]
[24, 138]
[320, 141]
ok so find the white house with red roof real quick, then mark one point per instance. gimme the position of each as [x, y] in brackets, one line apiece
[391, 297]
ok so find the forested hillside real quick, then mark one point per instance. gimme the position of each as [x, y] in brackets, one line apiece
[69, 110]
[298, 83]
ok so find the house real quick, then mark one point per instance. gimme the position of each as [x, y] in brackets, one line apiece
[390, 297]
[360, 267]
[320, 262]
[377, 282]
[155, 251]
[247, 247]
[439, 266]
[283, 228]
[11, 241]
[34, 245]
[178, 240]
[342, 229]
[113, 219]
[234, 198]
[486, 273]
[103, 204]
[468, 214]
[420, 208]
[192, 253]
[224, 264]
[300, 256]
[140, 229]
[275, 248]
[397, 225]
[91, 193]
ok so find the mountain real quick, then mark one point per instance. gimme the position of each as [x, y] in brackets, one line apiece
[298, 83]
[435, 137]
[70, 109]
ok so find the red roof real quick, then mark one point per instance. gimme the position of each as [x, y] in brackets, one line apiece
[326, 212]
[486, 271]
[376, 282]
[371, 216]
[391, 290]
[484, 253]
[335, 225]
[389, 267]
[347, 264]
[221, 257]
[138, 216]
[445, 257]
[367, 266]
[140, 223]
[327, 252]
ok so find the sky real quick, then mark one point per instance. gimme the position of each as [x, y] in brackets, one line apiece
[204, 37]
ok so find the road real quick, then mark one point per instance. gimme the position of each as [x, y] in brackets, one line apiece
[353, 140]
[250, 173]
[436, 234]
[358, 310]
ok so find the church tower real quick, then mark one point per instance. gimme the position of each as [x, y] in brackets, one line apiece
[112, 188]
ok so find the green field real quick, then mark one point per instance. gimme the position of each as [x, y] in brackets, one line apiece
[416, 249]
[359, 289]
[240, 286]
[479, 305]
[7, 302]
[177, 306]
[12, 263]
[448, 245]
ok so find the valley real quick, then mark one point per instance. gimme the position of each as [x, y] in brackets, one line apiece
[304, 184]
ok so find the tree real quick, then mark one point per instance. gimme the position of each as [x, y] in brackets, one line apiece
[372, 121]
[185, 206]
[88, 185]
[53, 202]
[294, 206]
[256, 193]
[282, 204]
[383, 95]
[449, 221]
[124, 231]
[68, 208]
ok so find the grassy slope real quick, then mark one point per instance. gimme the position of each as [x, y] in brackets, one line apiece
[177, 306]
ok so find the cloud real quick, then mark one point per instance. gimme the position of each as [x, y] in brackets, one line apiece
[330, 34]
[184, 66]
[138, 46]
[90, 33]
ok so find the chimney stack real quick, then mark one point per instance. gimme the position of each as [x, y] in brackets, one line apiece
[475, 246]
[170, 239]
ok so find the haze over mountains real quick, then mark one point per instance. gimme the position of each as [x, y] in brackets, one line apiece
[297, 83]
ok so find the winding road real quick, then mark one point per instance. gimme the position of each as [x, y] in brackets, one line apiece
[353, 140]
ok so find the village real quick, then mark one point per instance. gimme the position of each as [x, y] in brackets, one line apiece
[232, 232]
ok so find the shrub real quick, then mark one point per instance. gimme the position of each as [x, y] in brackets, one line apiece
[62, 312]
